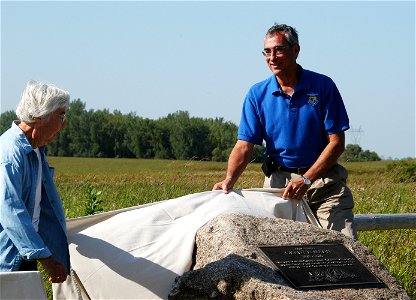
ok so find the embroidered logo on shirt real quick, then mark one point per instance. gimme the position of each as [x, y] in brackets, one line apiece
[313, 99]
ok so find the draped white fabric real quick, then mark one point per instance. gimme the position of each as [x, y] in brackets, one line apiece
[136, 253]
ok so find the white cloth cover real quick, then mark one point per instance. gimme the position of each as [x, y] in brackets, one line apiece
[22, 285]
[136, 253]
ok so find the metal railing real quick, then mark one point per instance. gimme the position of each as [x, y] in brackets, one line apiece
[365, 222]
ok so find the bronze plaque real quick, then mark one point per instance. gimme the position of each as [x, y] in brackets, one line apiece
[320, 266]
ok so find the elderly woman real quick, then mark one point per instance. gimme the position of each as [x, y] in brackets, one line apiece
[32, 221]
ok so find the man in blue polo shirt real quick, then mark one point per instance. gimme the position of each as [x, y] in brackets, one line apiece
[302, 119]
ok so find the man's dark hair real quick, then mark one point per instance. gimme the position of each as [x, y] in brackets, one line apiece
[290, 33]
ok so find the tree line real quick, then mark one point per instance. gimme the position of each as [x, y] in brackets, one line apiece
[354, 153]
[100, 133]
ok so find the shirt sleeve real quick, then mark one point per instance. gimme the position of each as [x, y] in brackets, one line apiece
[250, 129]
[335, 115]
[15, 218]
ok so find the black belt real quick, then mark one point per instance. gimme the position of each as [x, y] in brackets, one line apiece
[299, 171]
[270, 165]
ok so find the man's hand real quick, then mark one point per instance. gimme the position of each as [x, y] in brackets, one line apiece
[336, 145]
[55, 269]
[239, 158]
[225, 185]
[295, 189]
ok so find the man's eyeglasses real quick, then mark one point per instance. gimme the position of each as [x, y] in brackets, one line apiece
[276, 50]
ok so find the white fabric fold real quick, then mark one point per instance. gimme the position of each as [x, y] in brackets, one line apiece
[22, 285]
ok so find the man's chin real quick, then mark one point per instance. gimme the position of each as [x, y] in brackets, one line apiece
[277, 71]
[53, 138]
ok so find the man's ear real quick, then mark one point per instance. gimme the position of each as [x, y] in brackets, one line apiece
[38, 121]
[297, 50]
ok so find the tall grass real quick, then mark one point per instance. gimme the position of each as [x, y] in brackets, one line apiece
[379, 189]
[129, 182]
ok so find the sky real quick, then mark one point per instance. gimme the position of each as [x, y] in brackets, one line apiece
[153, 58]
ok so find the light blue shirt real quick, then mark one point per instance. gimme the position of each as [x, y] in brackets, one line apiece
[18, 176]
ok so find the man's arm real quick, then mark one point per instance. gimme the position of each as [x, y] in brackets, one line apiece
[329, 156]
[239, 158]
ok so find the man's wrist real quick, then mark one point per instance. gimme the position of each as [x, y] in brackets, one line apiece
[230, 179]
[306, 180]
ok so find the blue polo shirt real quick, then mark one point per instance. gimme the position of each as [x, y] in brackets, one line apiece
[295, 128]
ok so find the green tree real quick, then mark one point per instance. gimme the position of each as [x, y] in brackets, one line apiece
[122, 124]
[222, 138]
[159, 140]
[258, 153]
[188, 136]
[139, 137]
[78, 129]
[354, 153]
[6, 120]
[102, 135]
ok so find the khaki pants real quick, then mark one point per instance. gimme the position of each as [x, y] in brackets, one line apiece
[329, 198]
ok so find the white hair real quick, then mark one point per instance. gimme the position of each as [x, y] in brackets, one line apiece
[40, 100]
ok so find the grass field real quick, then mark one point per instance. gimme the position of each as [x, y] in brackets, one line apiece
[128, 182]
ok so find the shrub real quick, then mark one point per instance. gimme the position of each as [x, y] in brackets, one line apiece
[402, 171]
[92, 205]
